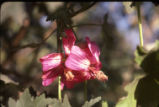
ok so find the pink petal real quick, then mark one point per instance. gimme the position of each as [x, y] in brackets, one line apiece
[53, 73]
[47, 82]
[78, 78]
[77, 60]
[86, 75]
[51, 61]
[93, 49]
[62, 85]
[49, 76]
[93, 53]
[68, 41]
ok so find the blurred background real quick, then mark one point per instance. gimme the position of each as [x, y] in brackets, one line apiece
[26, 35]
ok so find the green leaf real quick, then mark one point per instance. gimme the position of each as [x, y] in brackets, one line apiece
[104, 104]
[148, 61]
[140, 54]
[91, 102]
[66, 102]
[41, 101]
[147, 92]
[130, 99]
[150, 64]
[11, 102]
[25, 100]
[57, 103]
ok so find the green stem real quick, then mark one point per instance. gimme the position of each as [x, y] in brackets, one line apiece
[140, 24]
[85, 90]
[59, 88]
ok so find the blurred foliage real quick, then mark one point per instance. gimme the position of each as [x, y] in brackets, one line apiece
[8, 90]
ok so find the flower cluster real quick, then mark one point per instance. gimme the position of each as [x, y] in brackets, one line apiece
[79, 63]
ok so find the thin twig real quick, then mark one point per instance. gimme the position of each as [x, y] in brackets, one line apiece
[87, 24]
[83, 9]
[35, 45]
[48, 33]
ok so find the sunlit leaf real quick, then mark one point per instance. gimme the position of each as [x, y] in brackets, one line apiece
[42, 101]
[26, 100]
[11, 102]
[91, 102]
[57, 103]
[104, 104]
[130, 98]
[140, 54]
[66, 102]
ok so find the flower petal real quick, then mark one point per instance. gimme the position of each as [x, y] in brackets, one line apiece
[47, 82]
[95, 52]
[77, 60]
[93, 48]
[53, 72]
[101, 76]
[49, 76]
[62, 85]
[51, 61]
[68, 41]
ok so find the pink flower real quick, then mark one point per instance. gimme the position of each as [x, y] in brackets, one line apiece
[85, 58]
[79, 63]
[53, 65]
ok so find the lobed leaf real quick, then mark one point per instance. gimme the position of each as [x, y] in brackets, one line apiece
[91, 102]
[26, 100]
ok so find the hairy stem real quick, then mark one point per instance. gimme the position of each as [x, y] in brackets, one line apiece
[59, 88]
[140, 24]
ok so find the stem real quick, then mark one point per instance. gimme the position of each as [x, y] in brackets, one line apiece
[75, 35]
[59, 88]
[140, 24]
[85, 90]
